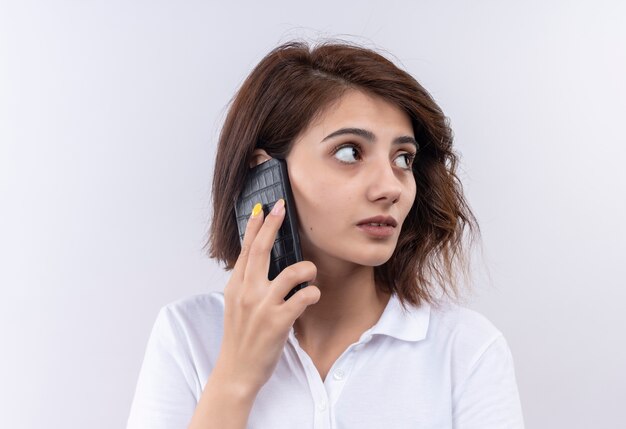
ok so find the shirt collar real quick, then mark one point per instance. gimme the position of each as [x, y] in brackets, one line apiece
[410, 325]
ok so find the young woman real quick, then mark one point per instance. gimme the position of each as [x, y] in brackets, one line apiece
[378, 338]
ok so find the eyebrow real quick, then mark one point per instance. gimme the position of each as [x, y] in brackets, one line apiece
[369, 136]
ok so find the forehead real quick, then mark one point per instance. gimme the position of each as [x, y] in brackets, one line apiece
[359, 109]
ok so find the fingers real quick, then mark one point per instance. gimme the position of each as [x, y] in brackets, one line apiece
[295, 306]
[290, 277]
[255, 222]
[258, 260]
[253, 265]
[250, 287]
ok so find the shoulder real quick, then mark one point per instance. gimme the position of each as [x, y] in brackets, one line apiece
[482, 370]
[465, 332]
[453, 317]
[194, 308]
[193, 315]
[195, 305]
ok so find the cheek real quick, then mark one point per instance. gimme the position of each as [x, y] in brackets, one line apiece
[409, 200]
[318, 200]
[310, 196]
[412, 193]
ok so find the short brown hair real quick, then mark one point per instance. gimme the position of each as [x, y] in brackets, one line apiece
[288, 90]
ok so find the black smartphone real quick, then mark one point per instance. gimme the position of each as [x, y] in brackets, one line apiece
[266, 183]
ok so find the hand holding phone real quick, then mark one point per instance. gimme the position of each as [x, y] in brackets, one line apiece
[266, 183]
[257, 318]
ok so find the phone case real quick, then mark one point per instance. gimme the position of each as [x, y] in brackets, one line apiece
[266, 183]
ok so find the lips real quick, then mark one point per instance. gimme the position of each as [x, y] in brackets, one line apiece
[384, 220]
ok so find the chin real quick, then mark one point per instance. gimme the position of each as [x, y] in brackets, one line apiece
[372, 253]
[373, 258]
[375, 262]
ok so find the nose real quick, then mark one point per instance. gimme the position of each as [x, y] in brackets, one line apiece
[384, 183]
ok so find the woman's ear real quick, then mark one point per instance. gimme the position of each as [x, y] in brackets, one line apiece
[259, 156]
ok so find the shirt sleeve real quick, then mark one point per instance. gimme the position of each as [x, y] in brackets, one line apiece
[489, 398]
[164, 398]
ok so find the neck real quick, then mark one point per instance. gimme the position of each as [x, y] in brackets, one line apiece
[349, 305]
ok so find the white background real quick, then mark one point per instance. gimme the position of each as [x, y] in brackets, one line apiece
[109, 117]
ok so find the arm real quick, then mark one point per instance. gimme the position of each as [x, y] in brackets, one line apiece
[257, 320]
[164, 396]
[223, 405]
[488, 398]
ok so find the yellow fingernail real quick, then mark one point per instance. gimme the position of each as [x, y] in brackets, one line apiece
[257, 209]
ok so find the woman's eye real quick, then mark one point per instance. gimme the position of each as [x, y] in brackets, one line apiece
[348, 153]
[344, 153]
[409, 157]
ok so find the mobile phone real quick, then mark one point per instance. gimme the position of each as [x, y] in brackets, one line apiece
[266, 183]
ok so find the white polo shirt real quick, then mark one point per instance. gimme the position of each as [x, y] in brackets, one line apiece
[428, 368]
